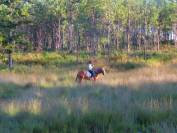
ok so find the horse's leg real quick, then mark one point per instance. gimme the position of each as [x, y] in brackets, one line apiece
[76, 78]
[96, 78]
[93, 80]
[80, 81]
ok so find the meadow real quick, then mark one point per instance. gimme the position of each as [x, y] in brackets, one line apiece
[40, 95]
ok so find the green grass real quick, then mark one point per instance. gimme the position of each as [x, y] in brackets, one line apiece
[44, 58]
[106, 110]
[135, 60]
[10, 90]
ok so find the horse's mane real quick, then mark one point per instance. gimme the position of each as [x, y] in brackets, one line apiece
[99, 69]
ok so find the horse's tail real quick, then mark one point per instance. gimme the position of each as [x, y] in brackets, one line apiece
[76, 78]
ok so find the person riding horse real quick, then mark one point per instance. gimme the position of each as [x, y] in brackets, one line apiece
[90, 69]
[83, 74]
[91, 74]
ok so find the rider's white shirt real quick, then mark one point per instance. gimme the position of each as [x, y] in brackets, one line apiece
[90, 66]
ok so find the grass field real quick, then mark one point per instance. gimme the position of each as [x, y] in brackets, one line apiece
[40, 95]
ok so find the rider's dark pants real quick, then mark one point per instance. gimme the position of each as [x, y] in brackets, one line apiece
[92, 73]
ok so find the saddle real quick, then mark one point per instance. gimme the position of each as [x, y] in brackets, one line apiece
[88, 74]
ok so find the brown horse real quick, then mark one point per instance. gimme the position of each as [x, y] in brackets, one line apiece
[83, 75]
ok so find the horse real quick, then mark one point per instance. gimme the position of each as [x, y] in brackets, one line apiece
[83, 75]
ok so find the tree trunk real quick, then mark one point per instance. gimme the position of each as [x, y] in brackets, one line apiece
[56, 35]
[128, 32]
[10, 62]
[108, 46]
[145, 51]
[128, 42]
[117, 43]
[158, 39]
[70, 38]
[117, 37]
[94, 42]
[62, 38]
[39, 39]
[139, 36]
[139, 41]
[78, 44]
[175, 31]
[94, 45]
[154, 41]
[144, 48]
[70, 27]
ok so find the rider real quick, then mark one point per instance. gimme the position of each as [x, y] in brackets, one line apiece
[90, 68]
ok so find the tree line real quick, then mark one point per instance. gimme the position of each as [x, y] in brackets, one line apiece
[86, 25]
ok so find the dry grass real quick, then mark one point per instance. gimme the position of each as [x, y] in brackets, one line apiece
[135, 94]
[152, 78]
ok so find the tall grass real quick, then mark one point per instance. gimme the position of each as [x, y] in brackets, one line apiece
[44, 98]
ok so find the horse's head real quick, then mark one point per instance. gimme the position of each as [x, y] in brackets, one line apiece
[103, 71]
[100, 70]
